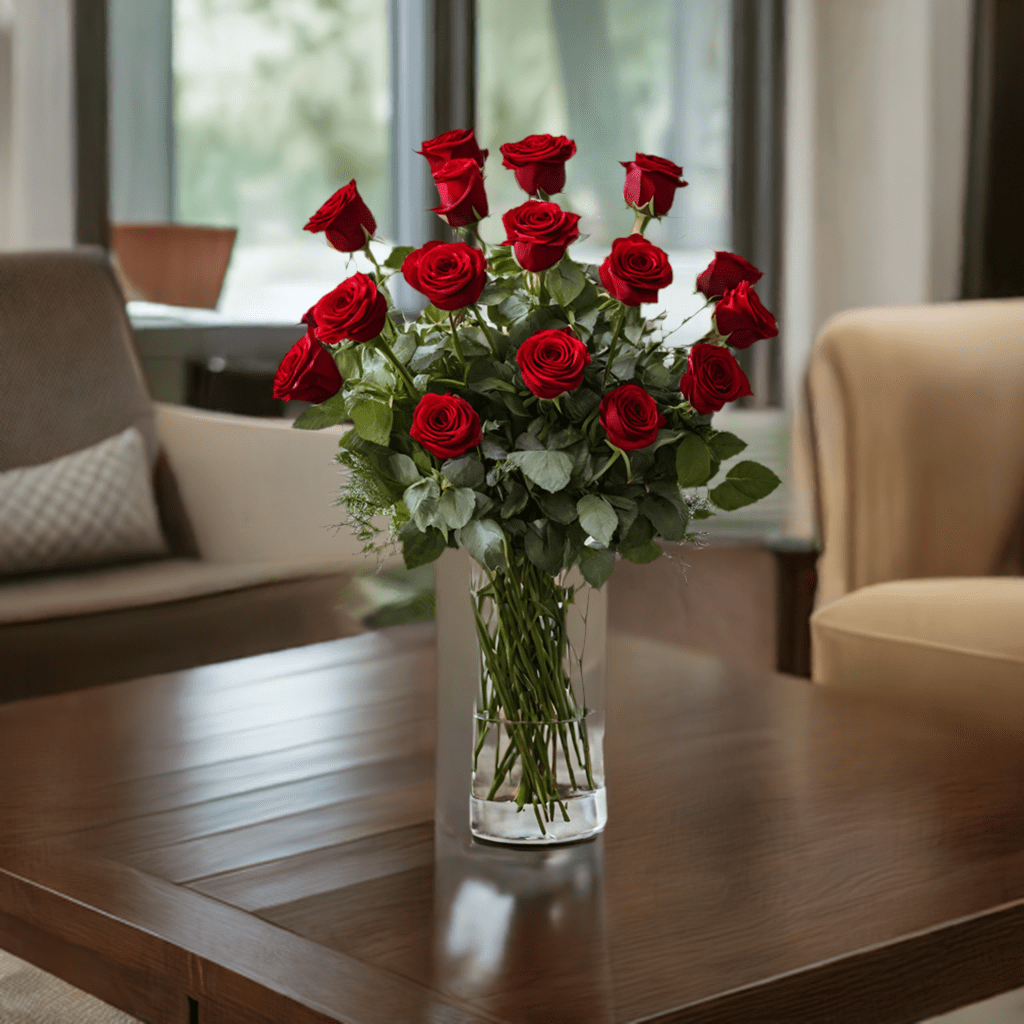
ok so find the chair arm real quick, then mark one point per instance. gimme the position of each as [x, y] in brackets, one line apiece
[918, 418]
[257, 489]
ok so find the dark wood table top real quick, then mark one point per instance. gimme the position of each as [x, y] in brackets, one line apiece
[254, 842]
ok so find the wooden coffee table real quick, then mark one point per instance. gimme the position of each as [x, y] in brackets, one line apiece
[253, 842]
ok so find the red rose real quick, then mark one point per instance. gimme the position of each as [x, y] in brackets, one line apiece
[712, 378]
[446, 425]
[451, 275]
[539, 233]
[307, 373]
[724, 272]
[355, 309]
[635, 271]
[343, 218]
[552, 363]
[630, 417]
[458, 144]
[740, 315]
[461, 188]
[539, 162]
[652, 177]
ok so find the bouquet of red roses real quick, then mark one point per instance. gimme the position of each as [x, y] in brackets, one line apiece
[530, 413]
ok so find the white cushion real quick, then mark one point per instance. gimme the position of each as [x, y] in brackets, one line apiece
[90, 507]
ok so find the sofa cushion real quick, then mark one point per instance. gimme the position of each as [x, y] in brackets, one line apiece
[36, 598]
[89, 507]
[949, 645]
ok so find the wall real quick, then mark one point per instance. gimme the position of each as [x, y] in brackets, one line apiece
[876, 142]
[37, 198]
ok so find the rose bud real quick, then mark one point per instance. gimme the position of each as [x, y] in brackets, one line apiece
[461, 188]
[307, 373]
[451, 275]
[630, 417]
[651, 177]
[552, 363]
[712, 378]
[345, 219]
[724, 272]
[539, 162]
[635, 271]
[355, 310]
[457, 144]
[446, 425]
[539, 234]
[740, 315]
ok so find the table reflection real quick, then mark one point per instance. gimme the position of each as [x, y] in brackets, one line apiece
[522, 930]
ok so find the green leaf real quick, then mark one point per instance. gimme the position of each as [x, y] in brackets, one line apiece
[484, 540]
[663, 515]
[565, 281]
[482, 504]
[702, 513]
[326, 414]
[349, 361]
[434, 315]
[372, 420]
[645, 553]
[598, 518]
[425, 356]
[456, 506]
[724, 445]
[545, 318]
[597, 564]
[558, 507]
[511, 309]
[495, 292]
[563, 438]
[515, 500]
[421, 548]
[397, 257]
[422, 459]
[404, 347]
[402, 469]
[744, 484]
[528, 442]
[693, 461]
[657, 375]
[550, 470]
[421, 498]
[465, 471]
[580, 403]
[546, 548]
[625, 362]
[637, 536]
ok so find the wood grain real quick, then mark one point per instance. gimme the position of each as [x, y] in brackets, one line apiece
[258, 837]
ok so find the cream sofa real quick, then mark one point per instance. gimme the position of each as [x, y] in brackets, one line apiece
[247, 505]
[918, 422]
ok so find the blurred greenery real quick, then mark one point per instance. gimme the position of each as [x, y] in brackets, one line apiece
[280, 102]
[277, 104]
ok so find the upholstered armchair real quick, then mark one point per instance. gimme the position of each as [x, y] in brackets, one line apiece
[918, 421]
[246, 506]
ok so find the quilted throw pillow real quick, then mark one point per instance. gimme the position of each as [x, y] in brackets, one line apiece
[89, 507]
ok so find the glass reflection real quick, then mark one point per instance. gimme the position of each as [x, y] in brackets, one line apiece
[523, 928]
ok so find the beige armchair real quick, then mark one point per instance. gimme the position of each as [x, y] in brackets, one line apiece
[247, 505]
[918, 418]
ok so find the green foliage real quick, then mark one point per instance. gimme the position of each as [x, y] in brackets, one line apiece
[744, 484]
[545, 487]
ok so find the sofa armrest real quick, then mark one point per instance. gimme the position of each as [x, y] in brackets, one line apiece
[919, 423]
[259, 490]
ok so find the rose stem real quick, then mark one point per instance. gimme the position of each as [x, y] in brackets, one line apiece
[457, 343]
[487, 332]
[640, 224]
[403, 372]
[615, 340]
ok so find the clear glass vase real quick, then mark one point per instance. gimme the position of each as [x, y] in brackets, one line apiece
[538, 751]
